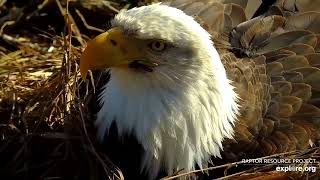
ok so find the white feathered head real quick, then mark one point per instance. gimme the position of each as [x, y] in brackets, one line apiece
[168, 87]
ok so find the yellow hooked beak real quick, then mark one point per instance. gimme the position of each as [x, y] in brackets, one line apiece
[110, 49]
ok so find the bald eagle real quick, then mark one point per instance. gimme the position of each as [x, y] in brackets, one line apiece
[192, 80]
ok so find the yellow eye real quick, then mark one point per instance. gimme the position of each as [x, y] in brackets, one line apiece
[158, 46]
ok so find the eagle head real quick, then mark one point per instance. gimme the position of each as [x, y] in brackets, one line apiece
[168, 87]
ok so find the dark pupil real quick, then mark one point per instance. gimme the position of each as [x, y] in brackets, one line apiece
[157, 44]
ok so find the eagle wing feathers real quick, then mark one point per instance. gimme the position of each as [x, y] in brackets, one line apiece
[273, 61]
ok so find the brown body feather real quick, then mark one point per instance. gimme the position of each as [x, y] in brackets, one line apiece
[273, 61]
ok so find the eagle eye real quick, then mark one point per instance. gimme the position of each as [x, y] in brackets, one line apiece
[158, 46]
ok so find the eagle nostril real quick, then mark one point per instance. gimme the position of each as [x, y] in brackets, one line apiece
[113, 42]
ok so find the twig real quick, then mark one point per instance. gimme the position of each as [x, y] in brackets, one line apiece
[239, 173]
[69, 20]
[39, 8]
[2, 2]
[7, 23]
[86, 24]
[18, 43]
[224, 165]
[108, 4]
[93, 150]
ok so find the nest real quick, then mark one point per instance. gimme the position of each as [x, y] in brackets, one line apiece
[46, 128]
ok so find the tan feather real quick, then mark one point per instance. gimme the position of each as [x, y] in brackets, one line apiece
[302, 91]
[311, 76]
[307, 5]
[317, 47]
[283, 87]
[292, 62]
[286, 39]
[306, 21]
[236, 13]
[214, 16]
[294, 77]
[295, 102]
[242, 3]
[274, 68]
[314, 59]
[301, 49]
[278, 54]
[274, 63]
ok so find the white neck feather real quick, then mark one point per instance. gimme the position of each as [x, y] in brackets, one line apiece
[179, 123]
[180, 115]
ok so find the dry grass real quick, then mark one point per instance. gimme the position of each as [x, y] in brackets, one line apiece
[46, 129]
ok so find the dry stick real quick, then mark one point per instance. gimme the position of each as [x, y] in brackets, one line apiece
[14, 99]
[17, 42]
[108, 5]
[68, 70]
[2, 2]
[224, 165]
[93, 150]
[7, 23]
[39, 8]
[75, 29]
[66, 63]
[239, 173]
[71, 22]
[86, 24]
